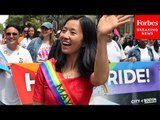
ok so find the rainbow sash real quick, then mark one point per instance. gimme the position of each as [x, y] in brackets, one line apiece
[56, 84]
[105, 88]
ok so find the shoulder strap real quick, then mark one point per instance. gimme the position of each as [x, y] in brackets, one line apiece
[55, 83]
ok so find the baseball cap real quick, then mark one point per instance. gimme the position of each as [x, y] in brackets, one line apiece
[47, 25]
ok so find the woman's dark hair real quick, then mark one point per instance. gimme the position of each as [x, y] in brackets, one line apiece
[87, 54]
[56, 47]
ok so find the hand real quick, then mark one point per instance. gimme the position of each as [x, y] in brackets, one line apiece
[9, 65]
[132, 59]
[109, 22]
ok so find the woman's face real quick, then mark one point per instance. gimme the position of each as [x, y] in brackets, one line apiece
[45, 31]
[25, 31]
[71, 37]
[31, 32]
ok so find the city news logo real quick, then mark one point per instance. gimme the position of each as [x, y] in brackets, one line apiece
[147, 26]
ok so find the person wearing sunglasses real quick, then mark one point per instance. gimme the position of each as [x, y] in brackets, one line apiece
[13, 54]
[24, 34]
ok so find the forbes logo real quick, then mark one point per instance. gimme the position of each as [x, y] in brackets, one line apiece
[146, 26]
[147, 23]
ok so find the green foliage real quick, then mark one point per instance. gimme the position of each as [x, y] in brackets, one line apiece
[17, 19]
[1, 28]
[37, 20]
[34, 22]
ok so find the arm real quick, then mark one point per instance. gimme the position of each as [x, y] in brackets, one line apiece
[130, 59]
[105, 25]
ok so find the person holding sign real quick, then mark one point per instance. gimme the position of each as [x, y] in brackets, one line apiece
[13, 54]
[82, 62]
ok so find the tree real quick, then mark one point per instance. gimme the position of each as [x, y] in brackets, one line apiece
[37, 20]
[23, 20]
[1, 28]
[17, 19]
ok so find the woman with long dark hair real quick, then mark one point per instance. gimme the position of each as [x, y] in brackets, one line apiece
[80, 62]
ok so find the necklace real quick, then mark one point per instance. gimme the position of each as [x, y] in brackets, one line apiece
[70, 73]
[68, 76]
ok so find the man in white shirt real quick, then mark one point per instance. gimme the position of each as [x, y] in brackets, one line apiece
[14, 54]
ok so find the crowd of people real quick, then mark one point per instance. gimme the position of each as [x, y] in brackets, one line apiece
[76, 58]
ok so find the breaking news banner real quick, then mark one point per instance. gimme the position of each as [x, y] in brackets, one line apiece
[128, 83]
[147, 26]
